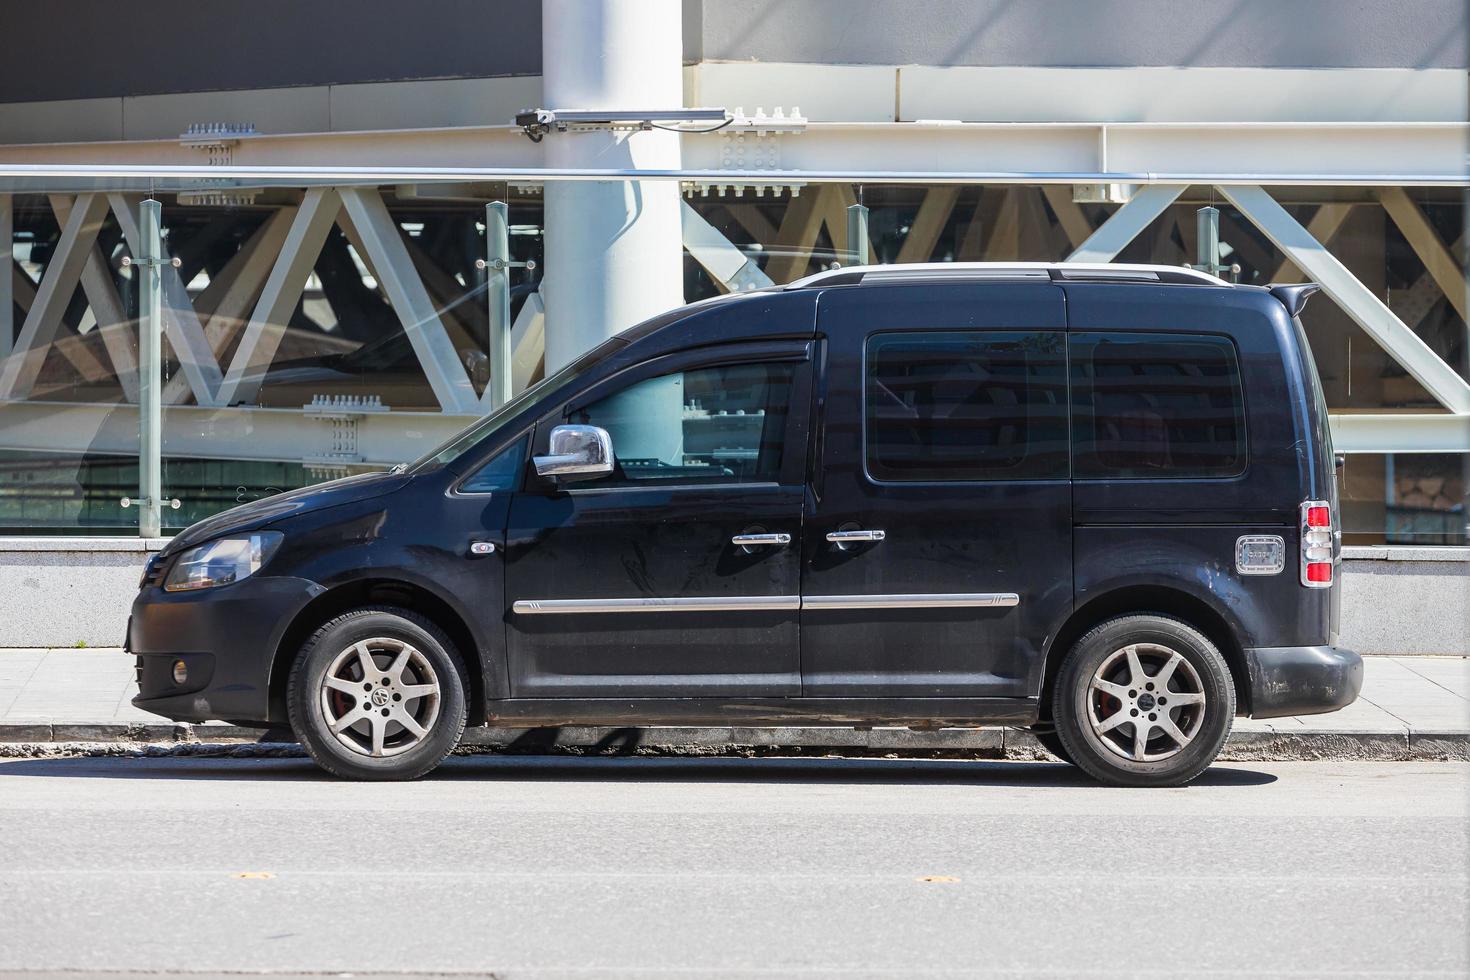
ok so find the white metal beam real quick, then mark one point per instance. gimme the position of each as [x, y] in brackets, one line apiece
[180, 324]
[726, 264]
[107, 309]
[1336, 153]
[1357, 300]
[239, 285]
[1427, 244]
[1324, 224]
[405, 290]
[293, 264]
[59, 283]
[1400, 433]
[235, 433]
[528, 343]
[1125, 223]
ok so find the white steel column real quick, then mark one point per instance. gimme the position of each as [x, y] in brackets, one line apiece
[613, 249]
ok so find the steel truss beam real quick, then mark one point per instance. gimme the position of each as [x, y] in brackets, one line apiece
[1357, 300]
[180, 323]
[731, 270]
[1126, 223]
[405, 290]
[21, 368]
[107, 308]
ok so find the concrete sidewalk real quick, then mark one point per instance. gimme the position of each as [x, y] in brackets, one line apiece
[1411, 707]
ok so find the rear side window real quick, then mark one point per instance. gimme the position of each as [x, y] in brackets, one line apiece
[1156, 406]
[964, 406]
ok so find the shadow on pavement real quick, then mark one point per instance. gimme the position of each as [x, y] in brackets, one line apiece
[605, 769]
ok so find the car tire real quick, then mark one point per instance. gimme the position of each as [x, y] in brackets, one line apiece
[1122, 724]
[394, 721]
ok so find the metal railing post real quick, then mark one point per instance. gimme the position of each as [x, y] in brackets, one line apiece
[857, 234]
[497, 291]
[1207, 239]
[150, 370]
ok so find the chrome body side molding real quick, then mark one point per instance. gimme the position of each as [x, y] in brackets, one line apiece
[755, 603]
[942, 600]
[925, 600]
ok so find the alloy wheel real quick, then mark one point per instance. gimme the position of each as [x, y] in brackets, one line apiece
[1146, 702]
[380, 697]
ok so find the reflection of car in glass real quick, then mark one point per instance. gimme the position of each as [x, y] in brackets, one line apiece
[1096, 501]
[387, 367]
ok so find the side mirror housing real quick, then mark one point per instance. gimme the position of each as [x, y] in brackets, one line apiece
[576, 452]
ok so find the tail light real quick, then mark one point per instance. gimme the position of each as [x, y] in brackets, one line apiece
[1317, 544]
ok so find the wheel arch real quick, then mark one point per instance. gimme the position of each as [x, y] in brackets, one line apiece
[368, 592]
[1146, 599]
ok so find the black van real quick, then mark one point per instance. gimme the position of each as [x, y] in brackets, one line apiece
[1097, 501]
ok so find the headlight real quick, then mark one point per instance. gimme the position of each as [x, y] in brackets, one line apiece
[222, 561]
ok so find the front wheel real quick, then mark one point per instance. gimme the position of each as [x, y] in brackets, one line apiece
[1144, 700]
[378, 694]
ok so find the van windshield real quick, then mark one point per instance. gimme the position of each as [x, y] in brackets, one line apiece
[481, 428]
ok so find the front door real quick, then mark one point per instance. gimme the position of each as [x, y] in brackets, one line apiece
[677, 575]
[938, 542]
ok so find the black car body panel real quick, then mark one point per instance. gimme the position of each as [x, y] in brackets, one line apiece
[821, 632]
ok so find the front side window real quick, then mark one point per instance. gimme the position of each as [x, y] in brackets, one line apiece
[723, 424]
[501, 474]
[1156, 406]
[962, 406]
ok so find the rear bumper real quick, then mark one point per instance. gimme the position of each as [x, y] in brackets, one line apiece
[1302, 680]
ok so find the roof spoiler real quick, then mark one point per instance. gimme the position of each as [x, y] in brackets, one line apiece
[1294, 296]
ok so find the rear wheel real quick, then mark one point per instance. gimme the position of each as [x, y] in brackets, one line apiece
[378, 694]
[1144, 701]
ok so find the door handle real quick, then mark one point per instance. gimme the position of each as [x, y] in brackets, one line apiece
[759, 540]
[847, 539]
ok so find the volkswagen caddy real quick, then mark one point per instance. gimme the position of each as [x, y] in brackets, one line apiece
[1094, 501]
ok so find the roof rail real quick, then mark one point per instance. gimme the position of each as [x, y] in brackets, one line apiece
[970, 271]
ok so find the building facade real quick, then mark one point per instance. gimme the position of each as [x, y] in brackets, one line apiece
[361, 250]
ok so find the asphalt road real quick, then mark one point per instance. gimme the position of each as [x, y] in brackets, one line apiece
[638, 867]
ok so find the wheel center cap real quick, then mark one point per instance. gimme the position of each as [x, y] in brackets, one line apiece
[381, 696]
[1145, 702]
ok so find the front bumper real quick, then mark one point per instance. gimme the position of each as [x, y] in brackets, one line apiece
[227, 637]
[1302, 680]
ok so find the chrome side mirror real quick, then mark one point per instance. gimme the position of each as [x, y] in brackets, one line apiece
[577, 452]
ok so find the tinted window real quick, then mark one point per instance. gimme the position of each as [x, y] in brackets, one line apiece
[966, 405]
[724, 424]
[501, 473]
[1156, 405]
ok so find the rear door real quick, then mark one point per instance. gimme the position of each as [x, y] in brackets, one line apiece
[937, 543]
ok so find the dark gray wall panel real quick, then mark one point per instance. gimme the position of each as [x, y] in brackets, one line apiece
[76, 49]
[1092, 33]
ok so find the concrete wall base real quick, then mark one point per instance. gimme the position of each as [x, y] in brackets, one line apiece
[66, 592]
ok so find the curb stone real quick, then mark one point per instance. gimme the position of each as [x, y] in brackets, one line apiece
[181, 739]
